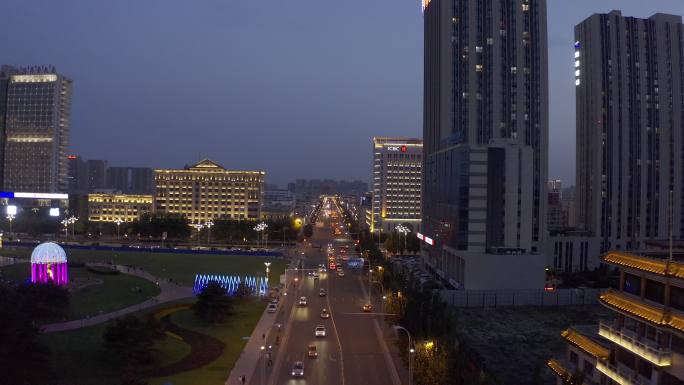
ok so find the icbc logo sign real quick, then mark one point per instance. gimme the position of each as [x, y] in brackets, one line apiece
[396, 148]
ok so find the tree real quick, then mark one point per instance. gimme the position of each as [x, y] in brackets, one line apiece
[213, 304]
[243, 291]
[130, 339]
[24, 359]
[43, 301]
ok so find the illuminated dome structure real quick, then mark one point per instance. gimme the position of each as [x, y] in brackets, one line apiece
[49, 264]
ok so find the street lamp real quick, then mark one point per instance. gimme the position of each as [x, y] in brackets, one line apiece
[64, 222]
[267, 264]
[198, 226]
[10, 218]
[118, 222]
[72, 220]
[208, 225]
[411, 351]
[404, 230]
[261, 227]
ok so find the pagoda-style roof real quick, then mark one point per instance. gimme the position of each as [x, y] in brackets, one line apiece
[585, 343]
[635, 308]
[650, 265]
[560, 371]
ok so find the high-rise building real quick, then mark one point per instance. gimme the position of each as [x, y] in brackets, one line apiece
[397, 173]
[131, 180]
[207, 191]
[554, 209]
[629, 88]
[643, 343]
[97, 174]
[5, 73]
[77, 175]
[37, 131]
[485, 127]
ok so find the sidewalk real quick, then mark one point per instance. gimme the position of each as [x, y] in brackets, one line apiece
[168, 292]
[249, 358]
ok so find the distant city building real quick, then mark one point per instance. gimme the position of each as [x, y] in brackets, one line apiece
[554, 210]
[37, 131]
[131, 180]
[77, 175]
[569, 207]
[485, 133]
[629, 77]
[366, 210]
[568, 250]
[97, 174]
[397, 173]
[278, 204]
[113, 207]
[643, 343]
[206, 191]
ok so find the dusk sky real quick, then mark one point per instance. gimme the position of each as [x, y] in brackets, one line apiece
[296, 88]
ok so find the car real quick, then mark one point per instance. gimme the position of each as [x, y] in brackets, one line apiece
[367, 307]
[340, 273]
[313, 353]
[272, 307]
[302, 301]
[298, 369]
[325, 313]
[321, 293]
[319, 331]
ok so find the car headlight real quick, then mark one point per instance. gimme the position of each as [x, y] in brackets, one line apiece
[293, 373]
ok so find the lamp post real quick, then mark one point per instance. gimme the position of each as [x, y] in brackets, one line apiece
[72, 221]
[64, 222]
[404, 230]
[267, 264]
[198, 226]
[208, 225]
[263, 366]
[411, 351]
[10, 218]
[260, 228]
[118, 222]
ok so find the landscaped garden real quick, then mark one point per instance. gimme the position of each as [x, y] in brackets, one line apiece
[82, 356]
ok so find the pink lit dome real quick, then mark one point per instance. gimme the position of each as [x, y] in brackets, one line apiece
[49, 264]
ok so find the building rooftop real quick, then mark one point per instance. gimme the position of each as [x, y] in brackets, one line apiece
[650, 265]
[624, 304]
[590, 345]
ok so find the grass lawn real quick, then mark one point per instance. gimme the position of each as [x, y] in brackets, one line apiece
[180, 267]
[99, 292]
[242, 323]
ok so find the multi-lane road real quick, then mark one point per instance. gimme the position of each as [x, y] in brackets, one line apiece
[353, 350]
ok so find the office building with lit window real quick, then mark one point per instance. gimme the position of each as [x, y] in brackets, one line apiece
[113, 207]
[397, 173]
[206, 191]
[643, 343]
[37, 121]
[485, 134]
[629, 78]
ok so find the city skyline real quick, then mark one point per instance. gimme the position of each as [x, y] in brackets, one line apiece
[221, 98]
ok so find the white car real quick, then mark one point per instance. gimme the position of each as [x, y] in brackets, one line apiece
[320, 331]
[298, 369]
[302, 301]
[272, 307]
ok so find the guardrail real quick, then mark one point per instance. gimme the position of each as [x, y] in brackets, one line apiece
[508, 298]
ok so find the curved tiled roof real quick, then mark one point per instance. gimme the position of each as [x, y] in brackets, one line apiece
[650, 265]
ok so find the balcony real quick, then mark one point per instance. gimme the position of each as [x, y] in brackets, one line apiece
[654, 354]
[620, 374]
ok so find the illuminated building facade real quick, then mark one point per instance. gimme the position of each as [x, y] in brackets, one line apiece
[37, 131]
[644, 342]
[113, 207]
[629, 87]
[397, 173]
[207, 191]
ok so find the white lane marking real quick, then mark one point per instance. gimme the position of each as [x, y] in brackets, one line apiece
[337, 336]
